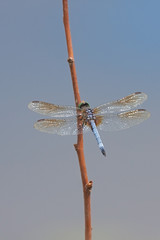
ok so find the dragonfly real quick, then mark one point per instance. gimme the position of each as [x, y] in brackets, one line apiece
[111, 116]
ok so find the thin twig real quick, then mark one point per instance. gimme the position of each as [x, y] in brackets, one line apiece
[87, 185]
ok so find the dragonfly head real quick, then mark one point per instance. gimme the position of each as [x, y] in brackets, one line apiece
[83, 104]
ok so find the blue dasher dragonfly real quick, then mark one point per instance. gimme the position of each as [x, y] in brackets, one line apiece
[111, 116]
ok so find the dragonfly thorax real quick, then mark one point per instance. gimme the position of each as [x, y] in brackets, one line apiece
[87, 115]
[86, 112]
[90, 115]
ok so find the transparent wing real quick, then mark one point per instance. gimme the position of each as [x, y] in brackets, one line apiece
[114, 122]
[86, 129]
[66, 126]
[52, 110]
[124, 104]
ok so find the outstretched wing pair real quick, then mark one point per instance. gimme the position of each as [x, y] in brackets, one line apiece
[114, 115]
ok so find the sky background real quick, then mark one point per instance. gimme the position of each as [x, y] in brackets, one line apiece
[117, 52]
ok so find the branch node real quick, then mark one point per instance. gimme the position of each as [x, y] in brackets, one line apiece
[75, 146]
[70, 60]
[88, 186]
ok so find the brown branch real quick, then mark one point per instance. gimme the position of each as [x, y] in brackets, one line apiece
[87, 185]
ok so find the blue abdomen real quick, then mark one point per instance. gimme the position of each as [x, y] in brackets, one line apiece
[98, 138]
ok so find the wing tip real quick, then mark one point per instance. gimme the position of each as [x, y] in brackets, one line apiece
[148, 114]
[30, 105]
[143, 94]
[135, 113]
[37, 124]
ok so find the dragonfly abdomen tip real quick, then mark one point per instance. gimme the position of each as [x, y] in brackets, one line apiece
[103, 151]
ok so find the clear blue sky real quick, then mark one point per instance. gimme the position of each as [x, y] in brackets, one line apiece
[117, 52]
